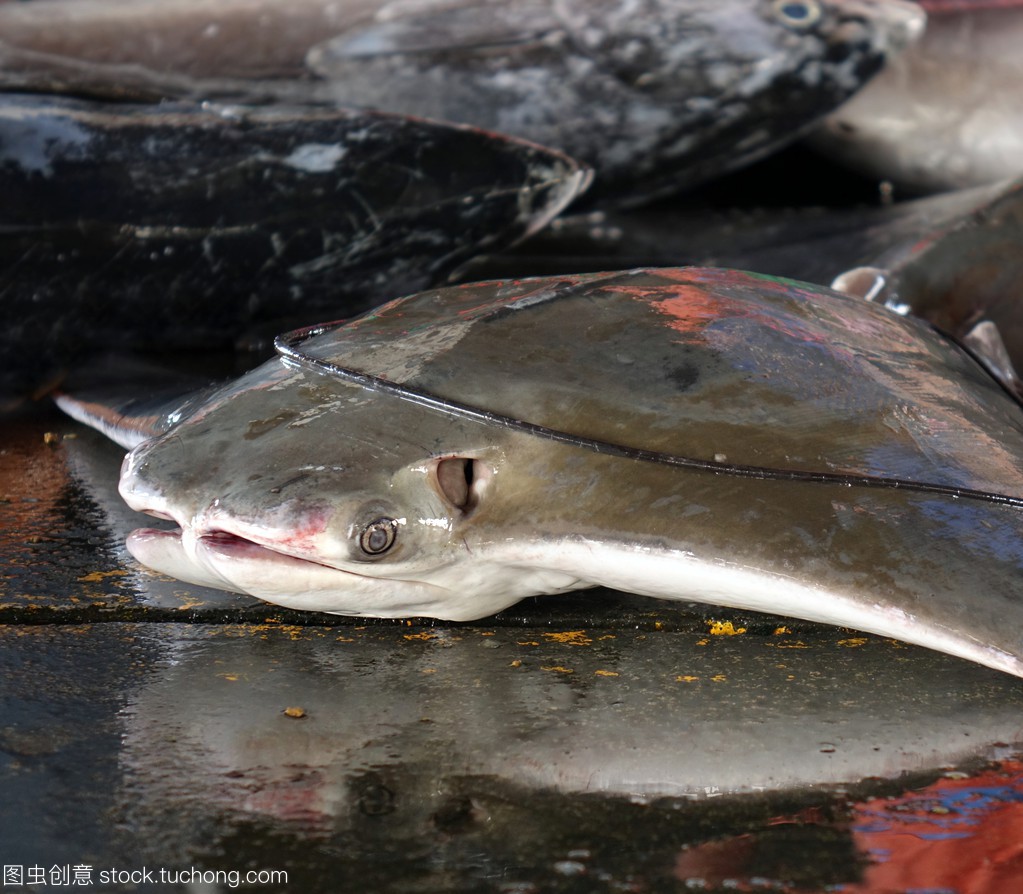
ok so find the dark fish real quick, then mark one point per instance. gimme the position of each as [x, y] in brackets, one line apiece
[180, 225]
[655, 96]
[688, 434]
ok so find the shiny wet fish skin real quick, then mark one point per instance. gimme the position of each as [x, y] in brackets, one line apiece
[705, 435]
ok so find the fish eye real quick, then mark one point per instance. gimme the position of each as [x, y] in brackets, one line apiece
[797, 13]
[378, 536]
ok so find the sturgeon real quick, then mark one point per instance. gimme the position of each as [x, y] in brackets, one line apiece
[689, 434]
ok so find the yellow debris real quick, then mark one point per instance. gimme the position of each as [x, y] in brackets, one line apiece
[724, 628]
[98, 576]
[569, 638]
[557, 668]
[604, 673]
[294, 712]
[854, 642]
[685, 678]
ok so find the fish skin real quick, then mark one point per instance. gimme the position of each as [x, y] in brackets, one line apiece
[656, 96]
[945, 114]
[966, 270]
[719, 85]
[844, 464]
[183, 225]
[232, 38]
[952, 259]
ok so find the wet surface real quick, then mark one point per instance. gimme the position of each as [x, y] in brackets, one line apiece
[597, 742]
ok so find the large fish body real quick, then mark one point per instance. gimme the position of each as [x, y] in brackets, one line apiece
[953, 259]
[947, 113]
[688, 434]
[654, 95]
[184, 225]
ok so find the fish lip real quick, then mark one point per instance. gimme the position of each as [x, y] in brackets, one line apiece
[219, 543]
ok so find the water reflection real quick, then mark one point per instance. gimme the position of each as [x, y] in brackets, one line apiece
[429, 745]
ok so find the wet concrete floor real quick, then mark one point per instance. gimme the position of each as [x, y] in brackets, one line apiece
[597, 742]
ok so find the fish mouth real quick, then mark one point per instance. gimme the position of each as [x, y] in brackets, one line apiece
[223, 560]
[232, 547]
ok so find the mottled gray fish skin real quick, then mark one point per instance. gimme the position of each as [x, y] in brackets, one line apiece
[653, 95]
[657, 95]
[316, 492]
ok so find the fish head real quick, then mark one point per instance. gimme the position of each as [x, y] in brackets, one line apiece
[320, 494]
[775, 52]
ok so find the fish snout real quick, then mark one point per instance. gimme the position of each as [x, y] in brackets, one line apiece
[139, 491]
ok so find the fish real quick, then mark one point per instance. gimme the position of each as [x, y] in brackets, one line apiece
[815, 721]
[963, 275]
[952, 259]
[656, 97]
[946, 113]
[183, 225]
[691, 434]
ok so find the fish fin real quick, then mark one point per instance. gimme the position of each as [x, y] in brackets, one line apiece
[986, 344]
[868, 283]
[131, 402]
[435, 27]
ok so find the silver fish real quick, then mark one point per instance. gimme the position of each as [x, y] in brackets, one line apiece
[691, 434]
[947, 113]
[655, 95]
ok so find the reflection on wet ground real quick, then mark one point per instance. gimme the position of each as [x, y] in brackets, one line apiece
[596, 742]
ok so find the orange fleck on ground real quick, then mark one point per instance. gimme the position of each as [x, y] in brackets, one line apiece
[569, 638]
[724, 628]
